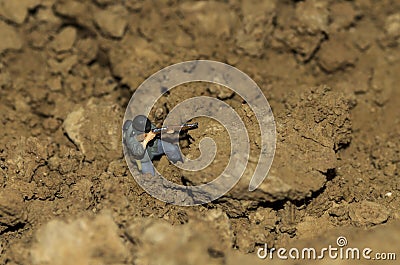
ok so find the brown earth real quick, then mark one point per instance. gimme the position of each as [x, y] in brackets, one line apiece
[68, 68]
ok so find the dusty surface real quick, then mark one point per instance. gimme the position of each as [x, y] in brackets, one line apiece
[68, 68]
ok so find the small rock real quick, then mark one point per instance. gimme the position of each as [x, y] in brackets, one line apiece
[218, 218]
[245, 241]
[221, 92]
[51, 124]
[64, 66]
[54, 83]
[343, 15]
[132, 62]
[392, 25]
[28, 155]
[10, 39]
[336, 54]
[16, 11]
[81, 12]
[368, 213]
[46, 14]
[83, 241]
[191, 244]
[73, 83]
[104, 86]
[299, 171]
[390, 169]
[313, 15]
[257, 27]
[12, 209]
[5, 78]
[64, 40]
[338, 211]
[303, 43]
[95, 129]
[207, 15]
[307, 228]
[382, 84]
[111, 21]
[305, 31]
[388, 194]
[87, 50]
[265, 217]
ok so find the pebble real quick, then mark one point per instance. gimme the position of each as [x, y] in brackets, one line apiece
[221, 91]
[12, 210]
[54, 83]
[79, 242]
[343, 15]
[392, 25]
[10, 39]
[208, 18]
[87, 50]
[336, 54]
[368, 213]
[111, 21]
[64, 66]
[85, 126]
[16, 11]
[64, 41]
[313, 14]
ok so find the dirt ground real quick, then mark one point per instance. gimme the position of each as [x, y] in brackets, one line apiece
[329, 69]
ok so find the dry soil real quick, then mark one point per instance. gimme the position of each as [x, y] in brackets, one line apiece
[329, 69]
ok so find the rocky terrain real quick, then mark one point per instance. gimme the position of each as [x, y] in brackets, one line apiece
[68, 68]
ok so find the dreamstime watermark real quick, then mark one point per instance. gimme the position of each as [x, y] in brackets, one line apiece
[153, 88]
[340, 251]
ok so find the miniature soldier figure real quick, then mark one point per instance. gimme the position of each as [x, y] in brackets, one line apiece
[145, 151]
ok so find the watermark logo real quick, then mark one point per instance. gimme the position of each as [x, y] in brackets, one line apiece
[150, 91]
[331, 252]
[341, 241]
